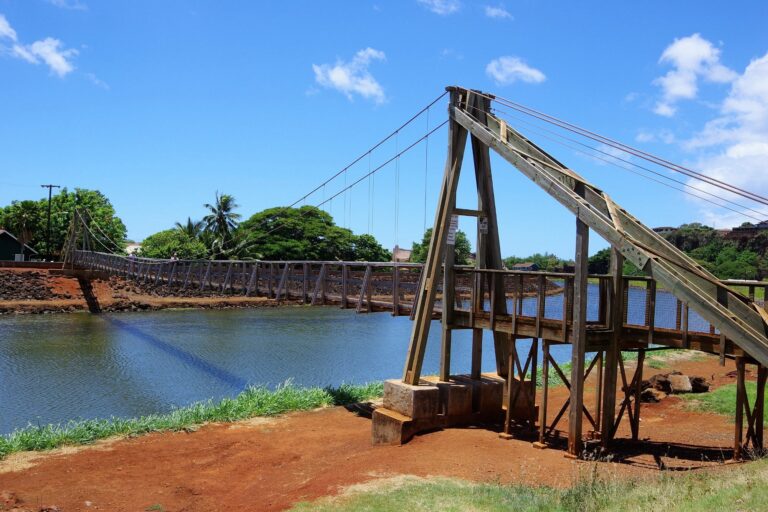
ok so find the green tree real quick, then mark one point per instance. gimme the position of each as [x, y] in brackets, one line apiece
[367, 248]
[22, 218]
[108, 230]
[546, 261]
[306, 233]
[165, 244]
[462, 248]
[221, 222]
[192, 228]
[600, 262]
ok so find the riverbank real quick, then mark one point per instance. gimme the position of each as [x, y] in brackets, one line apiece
[38, 291]
[273, 463]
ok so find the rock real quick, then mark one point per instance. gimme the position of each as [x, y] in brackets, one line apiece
[699, 385]
[679, 383]
[660, 382]
[652, 395]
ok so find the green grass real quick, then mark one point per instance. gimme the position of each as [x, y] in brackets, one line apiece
[741, 488]
[721, 400]
[254, 401]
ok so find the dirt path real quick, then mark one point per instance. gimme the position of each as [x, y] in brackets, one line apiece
[269, 464]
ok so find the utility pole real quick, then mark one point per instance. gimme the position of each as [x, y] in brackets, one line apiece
[48, 242]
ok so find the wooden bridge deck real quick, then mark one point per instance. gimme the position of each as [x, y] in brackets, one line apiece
[538, 302]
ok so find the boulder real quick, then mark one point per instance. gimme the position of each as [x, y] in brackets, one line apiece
[652, 395]
[699, 385]
[660, 382]
[680, 383]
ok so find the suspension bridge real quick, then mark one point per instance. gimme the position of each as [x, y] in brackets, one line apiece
[676, 304]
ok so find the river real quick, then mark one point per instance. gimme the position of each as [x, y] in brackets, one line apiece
[54, 368]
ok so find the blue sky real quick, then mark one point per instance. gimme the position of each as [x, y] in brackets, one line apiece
[161, 104]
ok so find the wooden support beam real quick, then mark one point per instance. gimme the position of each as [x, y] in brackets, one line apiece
[319, 284]
[425, 298]
[616, 293]
[579, 336]
[364, 290]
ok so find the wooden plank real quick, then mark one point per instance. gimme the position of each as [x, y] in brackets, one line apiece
[612, 352]
[364, 289]
[580, 290]
[544, 392]
[344, 286]
[206, 278]
[395, 290]
[468, 213]
[425, 298]
[283, 280]
[253, 279]
[318, 284]
[650, 311]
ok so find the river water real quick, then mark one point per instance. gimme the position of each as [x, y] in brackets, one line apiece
[54, 368]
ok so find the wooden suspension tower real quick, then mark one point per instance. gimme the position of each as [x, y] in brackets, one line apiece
[415, 404]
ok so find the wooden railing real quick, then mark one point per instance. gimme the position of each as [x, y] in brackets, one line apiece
[539, 304]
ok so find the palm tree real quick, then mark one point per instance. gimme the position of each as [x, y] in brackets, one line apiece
[23, 220]
[193, 229]
[221, 222]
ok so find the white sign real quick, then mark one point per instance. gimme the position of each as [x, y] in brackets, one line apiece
[454, 225]
[484, 225]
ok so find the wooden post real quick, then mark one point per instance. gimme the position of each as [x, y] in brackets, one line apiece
[425, 298]
[739, 417]
[344, 286]
[395, 290]
[612, 352]
[579, 334]
[252, 280]
[488, 245]
[638, 389]
[544, 393]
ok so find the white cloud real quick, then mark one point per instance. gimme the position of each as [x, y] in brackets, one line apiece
[352, 77]
[97, 81]
[441, 7]
[733, 147]
[6, 31]
[691, 58]
[498, 12]
[51, 52]
[72, 5]
[507, 70]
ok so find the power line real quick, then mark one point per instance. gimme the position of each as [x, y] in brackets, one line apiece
[371, 172]
[538, 129]
[629, 149]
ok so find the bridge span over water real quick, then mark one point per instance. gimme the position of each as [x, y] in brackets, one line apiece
[676, 304]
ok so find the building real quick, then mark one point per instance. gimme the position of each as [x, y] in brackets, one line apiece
[527, 266]
[665, 230]
[10, 247]
[747, 231]
[400, 255]
[132, 247]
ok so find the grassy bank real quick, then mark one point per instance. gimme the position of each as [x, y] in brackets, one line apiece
[721, 400]
[741, 488]
[254, 401]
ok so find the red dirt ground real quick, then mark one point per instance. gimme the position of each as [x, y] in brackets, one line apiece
[269, 464]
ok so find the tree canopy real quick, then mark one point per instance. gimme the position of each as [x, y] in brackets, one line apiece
[109, 230]
[165, 244]
[546, 262]
[462, 248]
[306, 233]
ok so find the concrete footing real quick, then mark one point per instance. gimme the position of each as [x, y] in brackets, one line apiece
[433, 404]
